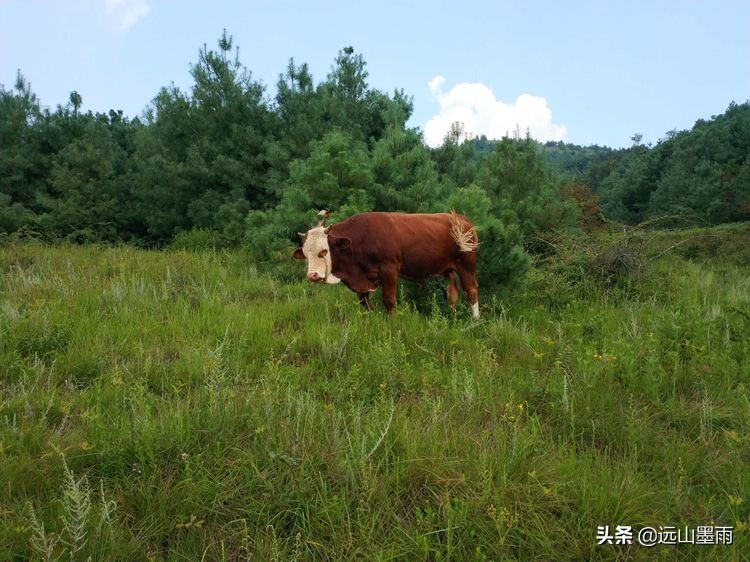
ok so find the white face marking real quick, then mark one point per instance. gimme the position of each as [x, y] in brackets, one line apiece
[318, 255]
[475, 310]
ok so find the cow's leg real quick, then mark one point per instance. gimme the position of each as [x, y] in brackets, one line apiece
[452, 290]
[364, 300]
[389, 281]
[471, 288]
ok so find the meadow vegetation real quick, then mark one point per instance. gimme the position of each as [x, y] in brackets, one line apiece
[191, 405]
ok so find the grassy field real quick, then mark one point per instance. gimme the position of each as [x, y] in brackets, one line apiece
[188, 406]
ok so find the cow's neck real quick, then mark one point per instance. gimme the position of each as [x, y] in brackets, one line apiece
[351, 275]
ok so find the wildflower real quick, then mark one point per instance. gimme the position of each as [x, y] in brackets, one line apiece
[734, 500]
[84, 446]
[733, 435]
[508, 517]
[89, 415]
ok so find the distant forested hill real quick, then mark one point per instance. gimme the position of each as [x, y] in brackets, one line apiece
[696, 176]
[573, 159]
[701, 175]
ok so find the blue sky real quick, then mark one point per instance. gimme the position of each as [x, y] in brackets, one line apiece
[587, 72]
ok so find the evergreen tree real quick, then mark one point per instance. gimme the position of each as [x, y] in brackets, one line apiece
[522, 189]
[202, 161]
[24, 162]
[404, 175]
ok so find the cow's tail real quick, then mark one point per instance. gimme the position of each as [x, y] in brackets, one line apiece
[463, 233]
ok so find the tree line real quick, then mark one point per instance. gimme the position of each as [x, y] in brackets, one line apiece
[227, 162]
[701, 176]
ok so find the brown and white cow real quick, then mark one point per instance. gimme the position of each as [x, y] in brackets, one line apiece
[372, 250]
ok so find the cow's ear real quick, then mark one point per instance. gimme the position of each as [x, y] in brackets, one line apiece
[340, 242]
[298, 255]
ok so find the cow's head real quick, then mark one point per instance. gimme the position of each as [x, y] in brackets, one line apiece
[315, 248]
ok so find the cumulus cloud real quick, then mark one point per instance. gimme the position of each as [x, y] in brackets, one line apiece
[474, 106]
[127, 12]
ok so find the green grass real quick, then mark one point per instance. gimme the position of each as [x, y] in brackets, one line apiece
[187, 406]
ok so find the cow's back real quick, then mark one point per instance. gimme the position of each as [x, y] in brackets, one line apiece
[419, 244]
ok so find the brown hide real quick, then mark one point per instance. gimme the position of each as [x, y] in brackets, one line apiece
[373, 249]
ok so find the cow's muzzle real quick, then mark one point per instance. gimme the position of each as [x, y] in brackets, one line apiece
[315, 277]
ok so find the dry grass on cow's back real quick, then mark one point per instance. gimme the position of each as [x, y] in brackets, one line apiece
[188, 406]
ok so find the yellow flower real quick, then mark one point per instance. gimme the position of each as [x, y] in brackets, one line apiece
[89, 415]
[733, 435]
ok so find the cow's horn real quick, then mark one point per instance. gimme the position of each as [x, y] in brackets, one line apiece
[323, 216]
[327, 229]
[302, 235]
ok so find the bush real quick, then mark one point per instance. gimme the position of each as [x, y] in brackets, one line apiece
[502, 262]
[729, 244]
[617, 264]
[198, 239]
[580, 266]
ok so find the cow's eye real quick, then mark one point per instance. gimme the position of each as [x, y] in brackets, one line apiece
[323, 253]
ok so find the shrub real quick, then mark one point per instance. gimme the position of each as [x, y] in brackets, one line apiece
[198, 239]
[502, 262]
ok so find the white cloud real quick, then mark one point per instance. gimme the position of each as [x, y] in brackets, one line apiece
[474, 105]
[127, 12]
